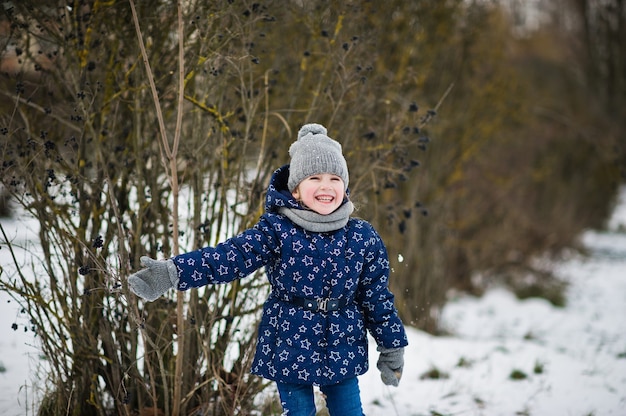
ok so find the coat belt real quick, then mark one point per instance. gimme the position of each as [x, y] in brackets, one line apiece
[316, 305]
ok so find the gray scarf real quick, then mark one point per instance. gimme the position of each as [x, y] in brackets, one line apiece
[318, 223]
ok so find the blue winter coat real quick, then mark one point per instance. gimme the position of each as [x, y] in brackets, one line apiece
[350, 265]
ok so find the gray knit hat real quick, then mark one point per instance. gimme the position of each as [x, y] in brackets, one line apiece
[313, 153]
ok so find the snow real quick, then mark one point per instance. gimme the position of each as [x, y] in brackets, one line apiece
[572, 360]
[19, 356]
[574, 357]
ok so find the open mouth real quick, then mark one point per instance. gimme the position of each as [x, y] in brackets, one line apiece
[325, 198]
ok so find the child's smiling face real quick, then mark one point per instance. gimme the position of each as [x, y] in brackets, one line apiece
[322, 193]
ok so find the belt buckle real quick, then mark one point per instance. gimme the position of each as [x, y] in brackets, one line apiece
[332, 305]
[328, 305]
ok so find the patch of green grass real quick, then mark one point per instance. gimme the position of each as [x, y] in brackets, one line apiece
[552, 290]
[434, 374]
[3, 369]
[530, 336]
[518, 375]
[464, 363]
[539, 367]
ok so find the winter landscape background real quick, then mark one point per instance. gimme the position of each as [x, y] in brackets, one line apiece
[481, 136]
[503, 356]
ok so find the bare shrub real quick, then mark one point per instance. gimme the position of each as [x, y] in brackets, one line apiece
[455, 155]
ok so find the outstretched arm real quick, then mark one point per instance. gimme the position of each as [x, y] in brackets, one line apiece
[234, 258]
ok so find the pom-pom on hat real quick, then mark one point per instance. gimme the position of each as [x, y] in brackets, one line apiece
[314, 153]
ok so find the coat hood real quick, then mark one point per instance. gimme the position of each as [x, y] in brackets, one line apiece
[278, 195]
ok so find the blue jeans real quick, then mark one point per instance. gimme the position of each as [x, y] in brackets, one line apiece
[342, 399]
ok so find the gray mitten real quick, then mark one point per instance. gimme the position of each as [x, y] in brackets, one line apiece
[157, 278]
[390, 364]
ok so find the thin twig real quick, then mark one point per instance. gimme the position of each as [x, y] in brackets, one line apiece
[180, 317]
[42, 110]
[171, 169]
[155, 95]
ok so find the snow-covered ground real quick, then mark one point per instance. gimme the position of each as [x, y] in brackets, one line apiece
[568, 361]
[19, 356]
[504, 357]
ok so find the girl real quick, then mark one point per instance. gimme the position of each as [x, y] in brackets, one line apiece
[329, 282]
